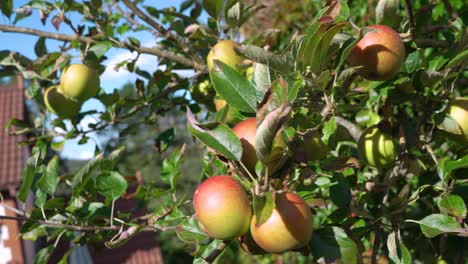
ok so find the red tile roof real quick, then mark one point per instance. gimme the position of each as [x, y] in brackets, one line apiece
[12, 156]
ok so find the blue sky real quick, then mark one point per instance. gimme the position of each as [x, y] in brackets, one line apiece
[110, 79]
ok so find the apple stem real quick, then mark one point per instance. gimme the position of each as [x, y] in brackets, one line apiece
[248, 172]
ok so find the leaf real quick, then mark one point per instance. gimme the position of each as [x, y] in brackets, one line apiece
[219, 137]
[333, 244]
[267, 130]
[447, 123]
[81, 178]
[386, 13]
[29, 173]
[263, 207]
[190, 232]
[462, 57]
[329, 128]
[170, 170]
[452, 204]
[411, 63]
[48, 182]
[43, 255]
[321, 52]
[340, 192]
[262, 78]
[6, 6]
[165, 139]
[397, 251]
[436, 224]
[259, 55]
[111, 184]
[234, 88]
[100, 48]
[446, 166]
[40, 48]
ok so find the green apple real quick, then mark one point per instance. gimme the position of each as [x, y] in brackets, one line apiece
[376, 148]
[60, 105]
[380, 53]
[79, 82]
[222, 207]
[224, 51]
[458, 110]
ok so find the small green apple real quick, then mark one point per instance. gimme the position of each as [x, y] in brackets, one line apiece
[224, 52]
[60, 105]
[376, 148]
[458, 110]
[79, 82]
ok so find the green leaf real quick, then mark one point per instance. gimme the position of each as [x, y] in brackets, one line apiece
[397, 251]
[462, 57]
[261, 56]
[262, 78]
[43, 255]
[340, 192]
[81, 178]
[190, 232]
[329, 128]
[48, 182]
[134, 41]
[100, 48]
[35, 233]
[452, 204]
[234, 88]
[111, 184]
[170, 170]
[436, 224]
[321, 52]
[29, 172]
[446, 166]
[40, 48]
[412, 62]
[165, 139]
[214, 7]
[263, 207]
[332, 243]
[217, 136]
[6, 6]
[447, 123]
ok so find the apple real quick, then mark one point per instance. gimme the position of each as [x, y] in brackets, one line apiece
[380, 53]
[224, 51]
[246, 131]
[458, 110]
[60, 105]
[311, 147]
[289, 227]
[376, 148]
[79, 82]
[222, 207]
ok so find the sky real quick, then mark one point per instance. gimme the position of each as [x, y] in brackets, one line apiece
[110, 79]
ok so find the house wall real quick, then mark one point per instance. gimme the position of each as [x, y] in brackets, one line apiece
[11, 250]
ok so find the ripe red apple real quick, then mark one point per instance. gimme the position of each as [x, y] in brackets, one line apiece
[458, 110]
[222, 207]
[79, 82]
[60, 105]
[246, 131]
[380, 53]
[288, 228]
[376, 148]
[224, 51]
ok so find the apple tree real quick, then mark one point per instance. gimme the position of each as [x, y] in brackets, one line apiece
[334, 131]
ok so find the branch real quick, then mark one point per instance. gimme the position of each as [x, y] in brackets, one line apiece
[423, 43]
[409, 9]
[123, 45]
[216, 252]
[450, 9]
[376, 246]
[352, 128]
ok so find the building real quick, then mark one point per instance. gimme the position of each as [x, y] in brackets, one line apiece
[142, 249]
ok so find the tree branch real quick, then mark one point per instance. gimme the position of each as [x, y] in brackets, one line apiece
[409, 9]
[354, 130]
[450, 9]
[216, 252]
[123, 45]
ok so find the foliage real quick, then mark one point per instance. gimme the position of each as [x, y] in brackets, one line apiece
[301, 84]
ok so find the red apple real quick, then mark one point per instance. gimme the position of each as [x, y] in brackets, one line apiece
[246, 131]
[380, 53]
[79, 82]
[222, 207]
[288, 228]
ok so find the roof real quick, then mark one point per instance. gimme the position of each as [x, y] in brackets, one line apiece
[12, 156]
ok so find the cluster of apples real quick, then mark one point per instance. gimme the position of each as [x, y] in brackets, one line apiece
[78, 83]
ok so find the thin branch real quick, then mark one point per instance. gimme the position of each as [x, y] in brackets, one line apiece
[164, 32]
[124, 45]
[450, 9]
[424, 43]
[412, 21]
[353, 129]
[376, 246]
[215, 253]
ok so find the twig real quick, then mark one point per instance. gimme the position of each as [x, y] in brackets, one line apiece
[353, 129]
[424, 43]
[376, 246]
[215, 253]
[409, 9]
[124, 45]
[450, 9]
[431, 153]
